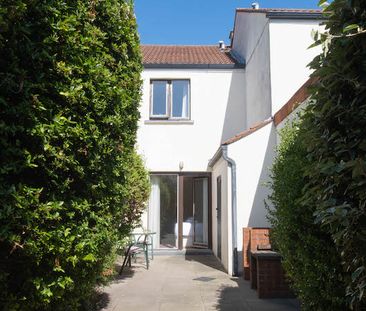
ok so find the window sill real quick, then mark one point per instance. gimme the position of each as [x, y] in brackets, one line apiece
[172, 122]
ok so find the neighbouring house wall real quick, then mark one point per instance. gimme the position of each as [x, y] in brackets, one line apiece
[221, 169]
[235, 112]
[251, 42]
[290, 55]
[217, 113]
[253, 156]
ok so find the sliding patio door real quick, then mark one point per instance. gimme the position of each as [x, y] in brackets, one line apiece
[188, 222]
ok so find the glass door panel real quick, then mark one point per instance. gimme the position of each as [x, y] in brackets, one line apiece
[200, 211]
[168, 211]
[163, 210]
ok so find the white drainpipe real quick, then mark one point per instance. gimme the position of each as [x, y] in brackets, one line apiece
[232, 165]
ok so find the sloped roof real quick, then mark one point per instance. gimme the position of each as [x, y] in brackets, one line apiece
[247, 132]
[187, 55]
[299, 97]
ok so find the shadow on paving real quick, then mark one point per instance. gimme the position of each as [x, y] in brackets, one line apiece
[183, 283]
[207, 260]
[234, 293]
[244, 298]
[126, 274]
[99, 299]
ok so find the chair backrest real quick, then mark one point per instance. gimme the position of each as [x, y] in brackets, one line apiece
[142, 238]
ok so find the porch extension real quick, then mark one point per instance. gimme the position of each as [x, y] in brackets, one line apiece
[187, 283]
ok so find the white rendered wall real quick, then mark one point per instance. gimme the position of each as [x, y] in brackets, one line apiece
[216, 111]
[276, 54]
[221, 169]
[289, 42]
[251, 42]
[253, 156]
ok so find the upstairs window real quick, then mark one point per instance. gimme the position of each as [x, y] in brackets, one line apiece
[170, 99]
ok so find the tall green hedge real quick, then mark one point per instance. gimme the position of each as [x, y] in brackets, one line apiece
[310, 258]
[337, 142]
[69, 94]
[327, 180]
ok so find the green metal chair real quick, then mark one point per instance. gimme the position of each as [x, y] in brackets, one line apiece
[136, 246]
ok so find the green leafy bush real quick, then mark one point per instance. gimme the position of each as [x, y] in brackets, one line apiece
[70, 182]
[136, 191]
[337, 143]
[310, 257]
[333, 165]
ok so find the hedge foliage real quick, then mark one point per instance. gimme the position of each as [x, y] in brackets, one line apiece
[70, 181]
[310, 258]
[337, 142]
[332, 132]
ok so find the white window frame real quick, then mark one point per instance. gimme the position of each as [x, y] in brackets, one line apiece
[169, 100]
[159, 116]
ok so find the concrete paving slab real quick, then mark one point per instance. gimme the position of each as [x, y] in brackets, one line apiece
[187, 283]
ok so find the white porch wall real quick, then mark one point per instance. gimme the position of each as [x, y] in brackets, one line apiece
[289, 42]
[253, 156]
[221, 169]
[217, 112]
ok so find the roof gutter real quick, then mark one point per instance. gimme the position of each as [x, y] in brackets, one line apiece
[234, 230]
[295, 15]
[216, 157]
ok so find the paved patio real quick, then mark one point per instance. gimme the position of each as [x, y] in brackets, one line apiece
[185, 282]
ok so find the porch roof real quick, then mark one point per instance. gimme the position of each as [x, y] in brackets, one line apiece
[247, 132]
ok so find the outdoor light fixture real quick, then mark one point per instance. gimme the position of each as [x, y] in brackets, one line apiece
[181, 165]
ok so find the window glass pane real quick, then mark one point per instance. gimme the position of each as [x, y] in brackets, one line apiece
[180, 98]
[187, 211]
[159, 98]
[201, 211]
[168, 210]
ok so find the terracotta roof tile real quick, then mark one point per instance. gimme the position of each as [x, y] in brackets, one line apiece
[186, 54]
[299, 97]
[251, 130]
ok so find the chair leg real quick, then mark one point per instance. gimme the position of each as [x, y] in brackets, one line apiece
[127, 258]
[147, 258]
[124, 263]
